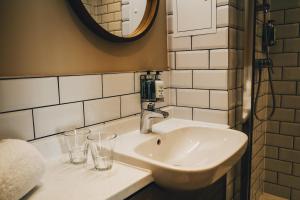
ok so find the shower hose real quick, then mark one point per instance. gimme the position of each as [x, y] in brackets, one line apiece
[269, 68]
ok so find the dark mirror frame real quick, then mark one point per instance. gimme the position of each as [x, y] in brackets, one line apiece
[145, 25]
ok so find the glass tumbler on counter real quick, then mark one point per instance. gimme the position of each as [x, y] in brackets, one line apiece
[102, 146]
[76, 142]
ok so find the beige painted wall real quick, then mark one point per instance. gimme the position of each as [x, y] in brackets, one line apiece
[42, 37]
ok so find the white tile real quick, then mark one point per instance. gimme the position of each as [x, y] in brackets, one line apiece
[173, 97]
[97, 111]
[169, 6]
[118, 84]
[124, 2]
[231, 119]
[192, 59]
[19, 94]
[222, 2]
[130, 104]
[181, 79]
[233, 58]
[236, 17]
[239, 78]
[219, 59]
[193, 98]
[222, 16]
[78, 88]
[125, 12]
[233, 35]
[56, 119]
[170, 23]
[183, 113]
[239, 59]
[219, 99]
[165, 77]
[171, 60]
[238, 117]
[17, 125]
[232, 98]
[209, 41]
[179, 43]
[210, 79]
[232, 79]
[213, 116]
[125, 27]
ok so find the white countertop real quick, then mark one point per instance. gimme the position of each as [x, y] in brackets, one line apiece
[64, 180]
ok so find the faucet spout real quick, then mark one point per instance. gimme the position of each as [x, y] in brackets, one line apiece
[147, 117]
[163, 113]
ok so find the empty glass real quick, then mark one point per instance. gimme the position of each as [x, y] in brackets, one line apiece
[102, 146]
[76, 141]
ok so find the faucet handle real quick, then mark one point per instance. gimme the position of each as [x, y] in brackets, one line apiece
[151, 106]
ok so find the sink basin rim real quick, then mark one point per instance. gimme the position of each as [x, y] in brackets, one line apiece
[185, 168]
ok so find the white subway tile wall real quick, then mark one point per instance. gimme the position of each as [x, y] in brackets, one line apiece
[114, 84]
[211, 79]
[193, 98]
[17, 125]
[192, 59]
[200, 75]
[32, 108]
[218, 40]
[78, 88]
[21, 94]
[183, 113]
[101, 110]
[56, 119]
[219, 100]
[212, 116]
[130, 104]
[181, 78]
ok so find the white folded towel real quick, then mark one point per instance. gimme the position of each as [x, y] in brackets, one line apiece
[21, 168]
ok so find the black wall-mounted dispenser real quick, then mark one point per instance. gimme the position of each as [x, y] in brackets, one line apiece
[151, 87]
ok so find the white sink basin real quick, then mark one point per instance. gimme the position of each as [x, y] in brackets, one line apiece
[189, 156]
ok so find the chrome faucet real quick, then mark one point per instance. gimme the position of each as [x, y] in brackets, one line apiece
[147, 116]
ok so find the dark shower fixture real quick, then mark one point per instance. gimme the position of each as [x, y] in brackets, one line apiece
[268, 35]
[268, 40]
[263, 7]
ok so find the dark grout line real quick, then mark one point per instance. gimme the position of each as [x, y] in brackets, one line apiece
[32, 115]
[73, 102]
[83, 112]
[58, 88]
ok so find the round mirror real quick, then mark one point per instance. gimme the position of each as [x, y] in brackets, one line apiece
[117, 20]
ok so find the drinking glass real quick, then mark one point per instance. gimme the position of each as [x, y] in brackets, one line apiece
[102, 146]
[76, 142]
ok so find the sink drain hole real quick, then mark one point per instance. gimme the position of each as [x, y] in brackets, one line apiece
[158, 142]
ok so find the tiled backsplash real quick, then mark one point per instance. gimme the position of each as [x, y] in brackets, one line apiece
[32, 108]
[203, 70]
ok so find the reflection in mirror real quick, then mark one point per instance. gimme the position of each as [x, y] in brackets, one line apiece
[119, 17]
